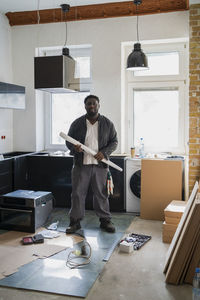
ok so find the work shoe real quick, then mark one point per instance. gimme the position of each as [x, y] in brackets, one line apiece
[107, 225]
[73, 227]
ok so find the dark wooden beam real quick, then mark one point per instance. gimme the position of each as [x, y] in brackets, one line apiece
[97, 11]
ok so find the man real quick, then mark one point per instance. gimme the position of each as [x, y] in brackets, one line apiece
[98, 133]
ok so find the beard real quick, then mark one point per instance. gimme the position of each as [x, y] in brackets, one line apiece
[92, 113]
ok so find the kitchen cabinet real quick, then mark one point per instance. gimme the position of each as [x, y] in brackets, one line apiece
[20, 173]
[53, 173]
[6, 176]
[19, 168]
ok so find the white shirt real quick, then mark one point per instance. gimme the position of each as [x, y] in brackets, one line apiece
[91, 141]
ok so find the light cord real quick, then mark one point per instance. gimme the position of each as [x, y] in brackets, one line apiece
[38, 12]
[65, 33]
[137, 22]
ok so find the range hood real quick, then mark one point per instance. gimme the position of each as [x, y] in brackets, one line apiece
[56, 74]
[12, 96]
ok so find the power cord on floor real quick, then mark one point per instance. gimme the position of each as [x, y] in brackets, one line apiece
[79, 258]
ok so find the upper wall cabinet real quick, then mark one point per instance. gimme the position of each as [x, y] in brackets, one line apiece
[12, 96]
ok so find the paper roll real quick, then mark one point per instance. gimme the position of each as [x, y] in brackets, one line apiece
[88, 150]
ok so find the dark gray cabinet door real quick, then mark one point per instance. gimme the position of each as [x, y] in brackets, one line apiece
[6, 176]
[53, 174]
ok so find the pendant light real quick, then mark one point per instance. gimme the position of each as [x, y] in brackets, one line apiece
[137, 60]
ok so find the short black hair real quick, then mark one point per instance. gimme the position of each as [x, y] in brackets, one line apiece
[91, 96]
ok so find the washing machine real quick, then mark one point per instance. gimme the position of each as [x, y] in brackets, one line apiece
[133, 184]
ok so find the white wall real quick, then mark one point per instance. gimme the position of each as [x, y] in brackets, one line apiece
[6, 115]
[105, 36]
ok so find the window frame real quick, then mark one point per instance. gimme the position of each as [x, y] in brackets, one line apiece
[48, 126]
[179, 85]
[160, 48]
[130, 82]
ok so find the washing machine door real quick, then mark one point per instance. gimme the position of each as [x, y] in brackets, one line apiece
[135, 183]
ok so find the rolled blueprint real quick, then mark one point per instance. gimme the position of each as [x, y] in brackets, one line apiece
[88, 150]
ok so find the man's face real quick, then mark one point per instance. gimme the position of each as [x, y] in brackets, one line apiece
[92, 107]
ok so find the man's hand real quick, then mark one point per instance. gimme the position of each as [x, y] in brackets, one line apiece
[99, 156]
[78, 148]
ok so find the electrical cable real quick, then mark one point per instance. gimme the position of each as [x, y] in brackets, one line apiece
[77, 258]
[37, 49]
[38, 12]
[137, 22]
[65, 8]
[65, 34]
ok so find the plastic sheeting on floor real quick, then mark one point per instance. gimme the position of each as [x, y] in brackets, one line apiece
[53, 276]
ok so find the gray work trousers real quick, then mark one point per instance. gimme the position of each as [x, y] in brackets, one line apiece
[82, 177]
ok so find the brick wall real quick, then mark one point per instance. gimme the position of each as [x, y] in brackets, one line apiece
[194, 96]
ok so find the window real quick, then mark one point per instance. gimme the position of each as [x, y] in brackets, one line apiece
[65, 109]
[164, 63]
[156, 100]
[82, 67]
[62, 109]
[155, 107]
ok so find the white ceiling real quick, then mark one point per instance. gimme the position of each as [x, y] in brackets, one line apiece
[26, 5]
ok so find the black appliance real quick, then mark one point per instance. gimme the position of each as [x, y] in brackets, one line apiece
[56, 74]
[25, 210]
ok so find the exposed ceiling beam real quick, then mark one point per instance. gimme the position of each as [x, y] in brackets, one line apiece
[97, 11]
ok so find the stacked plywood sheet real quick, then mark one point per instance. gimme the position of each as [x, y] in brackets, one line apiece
[183, 254]
[173, 213]
[161, 182]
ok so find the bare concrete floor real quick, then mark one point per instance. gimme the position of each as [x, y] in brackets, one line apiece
[135, 276]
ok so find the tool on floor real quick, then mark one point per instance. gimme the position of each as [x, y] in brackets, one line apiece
[79, 257]
[53, 226]
[133, 240]
[125, 246]
[36, 239]
[88, 150]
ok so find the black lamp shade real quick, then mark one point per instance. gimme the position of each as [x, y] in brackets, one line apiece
[137, 60]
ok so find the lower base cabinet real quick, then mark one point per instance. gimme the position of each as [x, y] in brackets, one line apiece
[53, 174]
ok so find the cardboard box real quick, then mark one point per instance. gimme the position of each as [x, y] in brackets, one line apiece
[169, 227]
[174, 221]
[168, 232]
[175, 209]
[168, 235]
[161, 182]
[167, 239]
